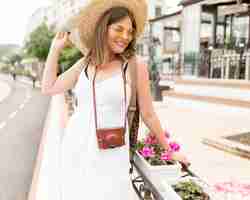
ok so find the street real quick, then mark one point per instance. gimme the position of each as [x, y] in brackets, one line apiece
[22, 116]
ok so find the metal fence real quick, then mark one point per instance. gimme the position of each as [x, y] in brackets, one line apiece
[230, 64]
[218, 63]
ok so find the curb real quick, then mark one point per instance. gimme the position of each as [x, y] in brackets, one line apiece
[228, 146]
[208, 99]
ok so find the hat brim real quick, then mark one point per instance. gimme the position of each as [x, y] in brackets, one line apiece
[84, 23]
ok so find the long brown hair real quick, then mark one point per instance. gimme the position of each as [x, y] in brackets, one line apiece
[111, 16]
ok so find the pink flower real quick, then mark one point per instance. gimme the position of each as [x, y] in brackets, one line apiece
[151, 139]
[174, 146]
[166, 156]
[147, 152]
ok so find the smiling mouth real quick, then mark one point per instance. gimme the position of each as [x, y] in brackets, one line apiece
[122, 45]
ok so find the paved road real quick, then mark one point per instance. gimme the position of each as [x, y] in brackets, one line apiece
[22, 116]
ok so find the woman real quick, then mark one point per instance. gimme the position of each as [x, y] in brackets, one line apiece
[87, 171]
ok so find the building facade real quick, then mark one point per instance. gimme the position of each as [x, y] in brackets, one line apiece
[156, 9]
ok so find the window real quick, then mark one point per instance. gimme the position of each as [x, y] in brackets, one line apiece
[140, 49]
[158, 11]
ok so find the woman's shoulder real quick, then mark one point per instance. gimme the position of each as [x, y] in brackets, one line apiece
[79, 64]
[140, 62]
[138, 59]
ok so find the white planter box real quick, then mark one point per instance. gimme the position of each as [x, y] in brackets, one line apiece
[170, 193]
[169, 173]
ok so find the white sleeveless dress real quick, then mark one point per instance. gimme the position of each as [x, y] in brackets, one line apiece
[87, 172]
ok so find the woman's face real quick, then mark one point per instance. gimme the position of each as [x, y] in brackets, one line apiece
[119, 35]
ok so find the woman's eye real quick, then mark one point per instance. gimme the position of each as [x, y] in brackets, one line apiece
[118, 29]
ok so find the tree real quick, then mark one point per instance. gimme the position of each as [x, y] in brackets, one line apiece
[15, 58]
[68, 57]
[39, 42]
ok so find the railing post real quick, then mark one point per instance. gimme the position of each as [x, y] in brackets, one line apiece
[237, 66]
[227, 57]
[222, 66]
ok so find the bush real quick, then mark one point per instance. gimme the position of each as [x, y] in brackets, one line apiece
[5, 69]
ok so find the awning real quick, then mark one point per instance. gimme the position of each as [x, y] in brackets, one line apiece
[214, 2]
[232, 9]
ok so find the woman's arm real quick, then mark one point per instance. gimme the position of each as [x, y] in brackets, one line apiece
[51, 84]
[148, 114]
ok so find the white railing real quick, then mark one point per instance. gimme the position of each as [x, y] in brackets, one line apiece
[230, 64]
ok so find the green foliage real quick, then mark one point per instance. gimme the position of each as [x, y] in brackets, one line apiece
[8, 49]
[5, 69]
[189, 190]
[19, 71]
[68, 57]
[39, 42]
[15, 58]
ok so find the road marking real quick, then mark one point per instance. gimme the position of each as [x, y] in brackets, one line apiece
[12, 115]
[21, 106]
[2, 125]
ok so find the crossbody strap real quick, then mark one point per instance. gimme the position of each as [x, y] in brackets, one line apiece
[125, 95]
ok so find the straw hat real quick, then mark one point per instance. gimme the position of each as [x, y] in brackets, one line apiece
[83, 24]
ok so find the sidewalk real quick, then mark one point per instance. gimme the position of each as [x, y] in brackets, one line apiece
[5, 90]
[23, 79]
[191, 121]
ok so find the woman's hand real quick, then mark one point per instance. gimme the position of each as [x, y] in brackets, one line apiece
[181, 158]
[60, 41]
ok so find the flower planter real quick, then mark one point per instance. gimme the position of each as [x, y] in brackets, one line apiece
[171, 194]
[169, 173]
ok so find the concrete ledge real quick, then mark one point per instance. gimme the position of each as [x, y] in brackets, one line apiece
[228, 146]
[209, 99]
[228, 83]
[56, 121]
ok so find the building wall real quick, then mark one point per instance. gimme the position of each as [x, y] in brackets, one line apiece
[157, 28]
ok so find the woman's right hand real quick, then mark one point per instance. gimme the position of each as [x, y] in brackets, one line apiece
[60, 41]
[180, 157]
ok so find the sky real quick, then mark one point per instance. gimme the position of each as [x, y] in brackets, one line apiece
[14, 16]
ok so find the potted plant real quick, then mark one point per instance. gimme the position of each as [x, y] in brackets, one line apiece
[189, 190]
[155, 161]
